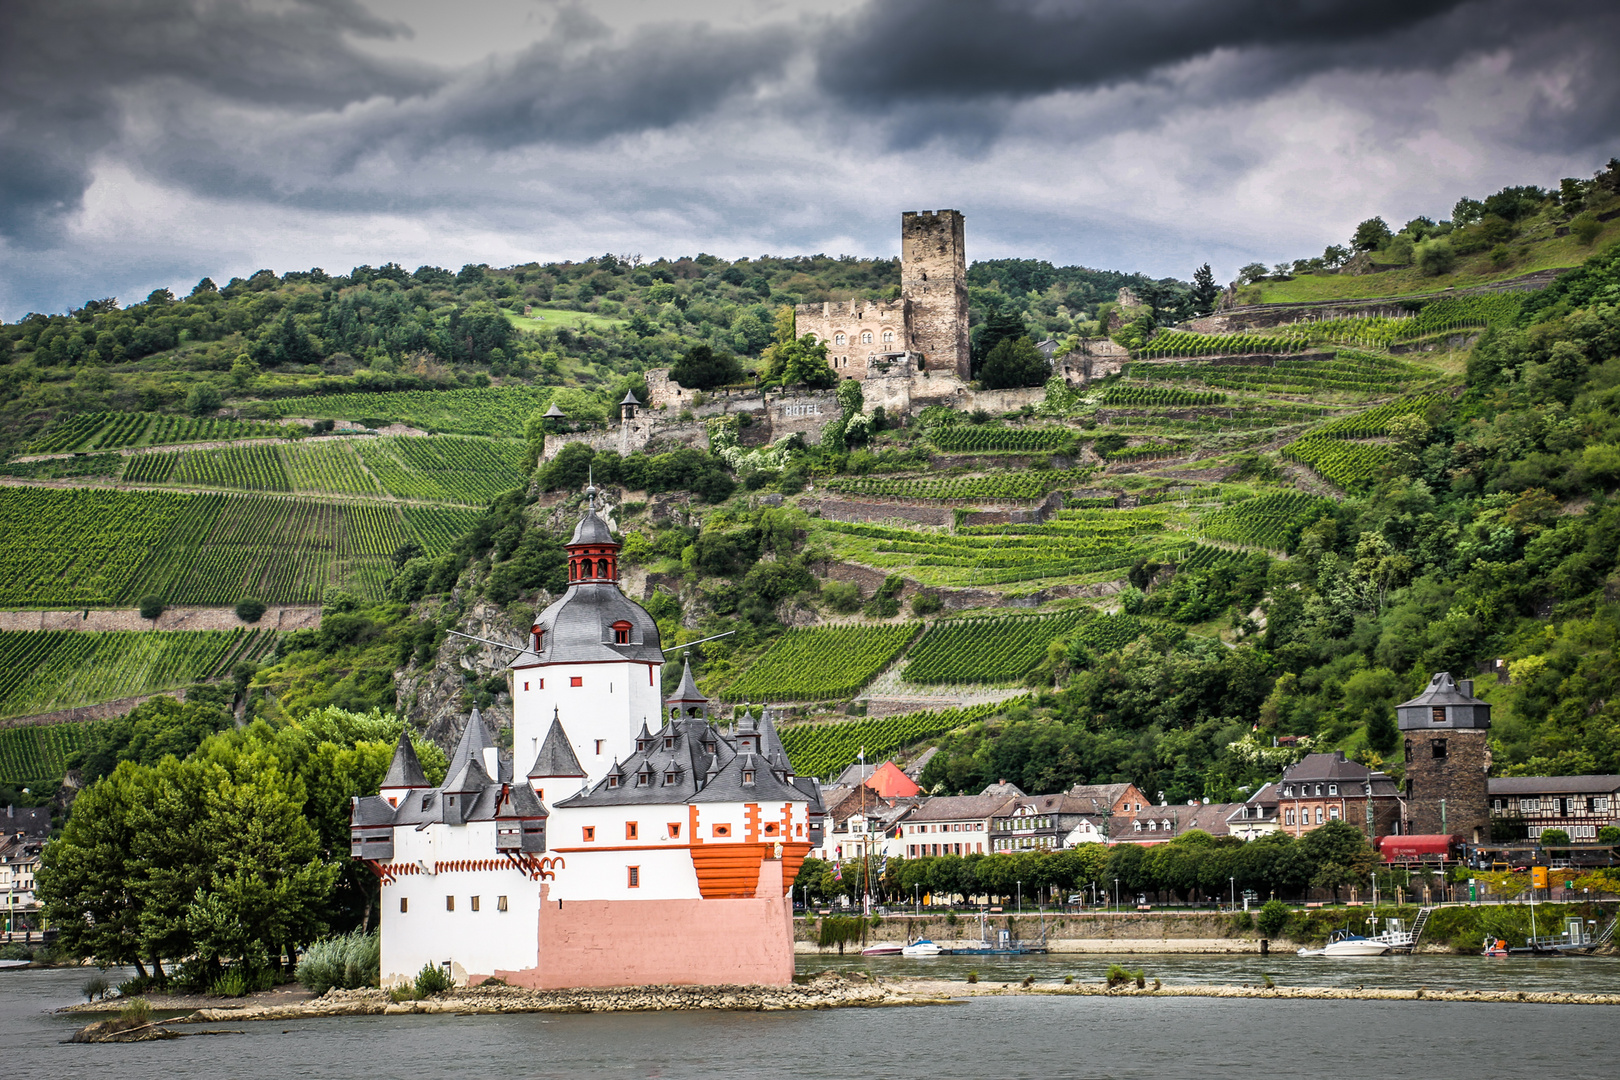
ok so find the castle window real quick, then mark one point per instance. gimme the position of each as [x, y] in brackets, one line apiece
[500, 903]
[1438, 714]
[674, 830]
[748, 776]
[576, 680]
[839, 339]
[669, 742]
[449, 903]
[474, 903]
[599, 744]
[888, 335]
[404, 904]
[643, 779]
[770, 829]
[613, 781]
[590, 834]
[630, 830]
[722, 830]
[670, 777]
[1438, 748]
[621, 633]
[539, 635]
[866, 337]
[634, 877]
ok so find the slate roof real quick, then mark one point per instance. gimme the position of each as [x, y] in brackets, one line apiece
[630, 398]
[591, 528]
[1105, 794]
[1603, 784]
[578, 627]
[405, 771]
[34, 821]
[686, 693]
[556, 756]
[477, 795]
[1442, 690]
[1334, 767]
[959, 808]
[555, 413]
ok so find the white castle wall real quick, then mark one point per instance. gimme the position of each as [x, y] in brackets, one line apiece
[608, 707]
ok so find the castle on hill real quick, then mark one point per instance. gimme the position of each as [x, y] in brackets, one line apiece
[643, 842]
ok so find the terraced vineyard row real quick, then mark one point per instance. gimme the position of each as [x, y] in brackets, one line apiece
[38, 753]
[1178, 343]
[441, 469]
[1350, 465]
[109, 431]
[1348, 371]
[820, 662]
[98, 548]
[987, 649]
[1128, 396]
[45, 670]
[825, 750]
[982, 438]
[1011, 485]
[1375, 422]
[500, 412]
[1269, 521]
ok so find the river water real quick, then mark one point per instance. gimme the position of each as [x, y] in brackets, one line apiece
[981, 1039]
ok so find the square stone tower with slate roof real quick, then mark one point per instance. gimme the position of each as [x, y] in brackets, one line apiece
[1445, 732]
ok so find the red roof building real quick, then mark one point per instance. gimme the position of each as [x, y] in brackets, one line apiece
[888, 781]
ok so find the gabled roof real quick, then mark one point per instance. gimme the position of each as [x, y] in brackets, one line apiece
[1553, 785]
[467, 772]
[1003, 789]
[959, 808]
[405, 771]
[1106, 794]
[890, 782]
[556, 756]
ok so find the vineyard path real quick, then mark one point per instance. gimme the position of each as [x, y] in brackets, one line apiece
[101, 710]
[1309, 481]
[347, 499]
[225, 444]
[899, 696]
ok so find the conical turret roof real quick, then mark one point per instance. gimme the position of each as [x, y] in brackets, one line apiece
[687, 692]
[556, 757]
[467, 771]
[405, 771]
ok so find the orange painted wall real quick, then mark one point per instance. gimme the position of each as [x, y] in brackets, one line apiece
[645, 942]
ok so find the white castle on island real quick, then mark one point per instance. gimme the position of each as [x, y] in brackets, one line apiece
[644, 844]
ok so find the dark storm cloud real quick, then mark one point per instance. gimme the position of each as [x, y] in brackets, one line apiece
[968, 63]
[225, 99]
[65, 69]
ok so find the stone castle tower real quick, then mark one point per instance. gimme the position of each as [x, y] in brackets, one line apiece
[1445, 731]
[927, 327]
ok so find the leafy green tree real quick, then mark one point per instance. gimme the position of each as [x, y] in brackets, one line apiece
[1436, 256]
[1554, 838]
[1371, 235]
[802, 362]
[150, 606]
[1273, 918]
[704, 369]
[203, 399]
[1000, 324]
[1251, 273]
[1014, 362]
[250, 610]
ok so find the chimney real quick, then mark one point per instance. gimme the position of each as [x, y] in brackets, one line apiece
[1339, 754]
[1467, 687]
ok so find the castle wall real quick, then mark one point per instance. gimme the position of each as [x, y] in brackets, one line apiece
[803, 414]
[933, 281]
[602, 715]
[598, 943]
[854, 331]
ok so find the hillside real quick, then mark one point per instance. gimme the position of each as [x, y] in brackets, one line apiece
[1277, 525]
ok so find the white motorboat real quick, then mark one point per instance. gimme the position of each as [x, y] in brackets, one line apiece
[921, 947]
[887, 948]
[1344, 943]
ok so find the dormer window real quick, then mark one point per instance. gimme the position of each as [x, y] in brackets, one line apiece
[426, 799]
[621, 629]
[670, 777]
[643, 745]
[1333, 789]
[669, 742]
[748, 776]
[1288, 791]
[643, 779]
[538, 634]
[613, 781]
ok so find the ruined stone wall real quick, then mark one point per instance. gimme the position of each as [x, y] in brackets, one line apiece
[854, 331]
[933, 280]
[802, 414]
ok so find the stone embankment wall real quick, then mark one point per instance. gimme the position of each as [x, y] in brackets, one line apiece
[174, 618]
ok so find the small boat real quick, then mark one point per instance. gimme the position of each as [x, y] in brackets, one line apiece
[887, 948]
[1495, 947]
[921, 947]
[1344, 943]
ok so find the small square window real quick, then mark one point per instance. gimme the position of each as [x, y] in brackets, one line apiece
[404, 904]
[576, 680]
[613, 781]
[1438, 748]
[474, 903]
[770, 829]
[590, 833]
[674, 830]
[449, 903]
[500, 903]
[1438, 714]
[630, 830]
[748, 776]
[635, 877]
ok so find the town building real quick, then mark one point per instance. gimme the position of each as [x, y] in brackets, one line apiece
[639, 834]
[1444, 735]
[955, 824]
[22, 837]
[1579, 805]
[1316, 790]
[1166, 822]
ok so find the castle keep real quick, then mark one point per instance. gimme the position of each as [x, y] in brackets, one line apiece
[1444, 732]
[927, 327]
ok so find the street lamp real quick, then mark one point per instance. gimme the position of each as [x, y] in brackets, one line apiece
[1233, 880]
[1116, 896]
[1020, 897]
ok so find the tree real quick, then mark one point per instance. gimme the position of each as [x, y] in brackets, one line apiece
[1436, 256]
[1371, 235]
[1554, 838]
[1014, 362]
[203, 400]
[1204, 290]
[1000, 324]
[1251, 273]
[1273, 918]
[1338, 854]
[251, 611]
[803, 361]
[704, 369]
[150, 606]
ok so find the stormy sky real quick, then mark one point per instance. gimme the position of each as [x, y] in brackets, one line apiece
[145, 143]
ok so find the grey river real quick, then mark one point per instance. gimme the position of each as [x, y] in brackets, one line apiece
[982, 1039]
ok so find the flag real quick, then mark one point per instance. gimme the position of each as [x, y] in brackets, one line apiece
[838, 872]
[883, 865]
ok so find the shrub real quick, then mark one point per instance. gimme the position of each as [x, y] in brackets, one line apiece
[838, 930]
[1029, 980]
[150, 606]
[347, 961]
[1068, 980]
[1273, 918]
[1554, 838]
[96, 986]
[926, 603]
[1436, 256]
[432, 980]
[250, 611]
[135, 987]
[842, 596]
[1119, 975]
[1585, 229]
[233, 983]
[136, 1011]
[973, 976]
[1609, 834]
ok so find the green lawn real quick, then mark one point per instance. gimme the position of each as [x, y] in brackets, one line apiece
[554, 317]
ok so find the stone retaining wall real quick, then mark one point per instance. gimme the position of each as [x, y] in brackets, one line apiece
[174, 618]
